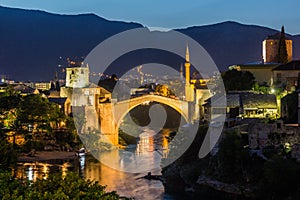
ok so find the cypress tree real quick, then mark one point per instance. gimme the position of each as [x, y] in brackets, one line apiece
[282, 52]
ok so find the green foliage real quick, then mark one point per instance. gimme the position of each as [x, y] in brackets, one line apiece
[163, 90]
[8, 155]
[64, 137]
[282, 51]
[230, 157]
[79, 121]
[18, 112]
[55, 187]
[126, 139]
[9, 91]
[35, 109]
[9, 102]
[183, 138]
[32, 144]
[262, 89]
[238, 80]
[95, 143]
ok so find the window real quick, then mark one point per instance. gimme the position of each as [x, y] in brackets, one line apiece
[218, 110]
[278, 125]
[278, 76]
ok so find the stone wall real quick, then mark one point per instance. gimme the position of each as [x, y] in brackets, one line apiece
[264, 135]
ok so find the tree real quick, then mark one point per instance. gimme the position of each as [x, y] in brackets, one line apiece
[55, 187]
[164, 90]
[108, 83]
[238, 80]
[39, 112]
[230, 158]
[282, 52]
[262, 89]
[8, 155]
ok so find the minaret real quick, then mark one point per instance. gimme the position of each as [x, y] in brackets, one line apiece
[181, 72]
[187, 66]
[189, 89]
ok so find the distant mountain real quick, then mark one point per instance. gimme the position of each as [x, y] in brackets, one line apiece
[33, 43]
[234, 43]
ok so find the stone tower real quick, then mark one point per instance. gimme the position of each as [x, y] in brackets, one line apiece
[271, 45]
[77, 77]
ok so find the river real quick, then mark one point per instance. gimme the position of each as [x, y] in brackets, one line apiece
[149, 150]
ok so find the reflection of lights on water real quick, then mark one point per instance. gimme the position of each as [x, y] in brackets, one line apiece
[30, 173]
[45, 171]
[165, 147]
[82, 162]
[64, 169]
[37, 170]
[146, 144]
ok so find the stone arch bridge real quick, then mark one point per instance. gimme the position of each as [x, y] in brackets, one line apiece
[111, 114]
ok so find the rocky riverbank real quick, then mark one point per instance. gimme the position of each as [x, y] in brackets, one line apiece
[40, 156]
[189, 179]
[217, 176]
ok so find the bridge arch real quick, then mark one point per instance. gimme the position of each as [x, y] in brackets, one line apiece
[124, 107]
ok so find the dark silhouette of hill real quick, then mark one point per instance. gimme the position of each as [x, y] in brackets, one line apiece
[231, 42]
[32, 42]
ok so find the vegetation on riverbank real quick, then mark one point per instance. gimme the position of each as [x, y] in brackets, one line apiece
[55, 187]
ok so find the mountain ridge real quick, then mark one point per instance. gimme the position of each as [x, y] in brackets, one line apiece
[34, 42]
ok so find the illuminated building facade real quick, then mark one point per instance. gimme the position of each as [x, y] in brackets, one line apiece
[77, 77]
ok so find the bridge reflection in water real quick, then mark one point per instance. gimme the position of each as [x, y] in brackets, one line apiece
[149, 147]
[126, 184]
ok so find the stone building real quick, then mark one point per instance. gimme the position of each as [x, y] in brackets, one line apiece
[263, 70]
[87, 99]
[77, 77]
[263, 135]
[245, 105]
[271, 45]
[287, 75]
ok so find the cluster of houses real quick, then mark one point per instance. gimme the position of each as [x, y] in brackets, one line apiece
[280, 105]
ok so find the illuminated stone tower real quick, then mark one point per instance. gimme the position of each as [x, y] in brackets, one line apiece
[189, 89]
[77, 77]
[270, 48]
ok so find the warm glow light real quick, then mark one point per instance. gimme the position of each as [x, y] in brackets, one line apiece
[272, 90]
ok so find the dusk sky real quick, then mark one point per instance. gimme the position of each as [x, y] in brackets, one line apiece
[177, 13]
